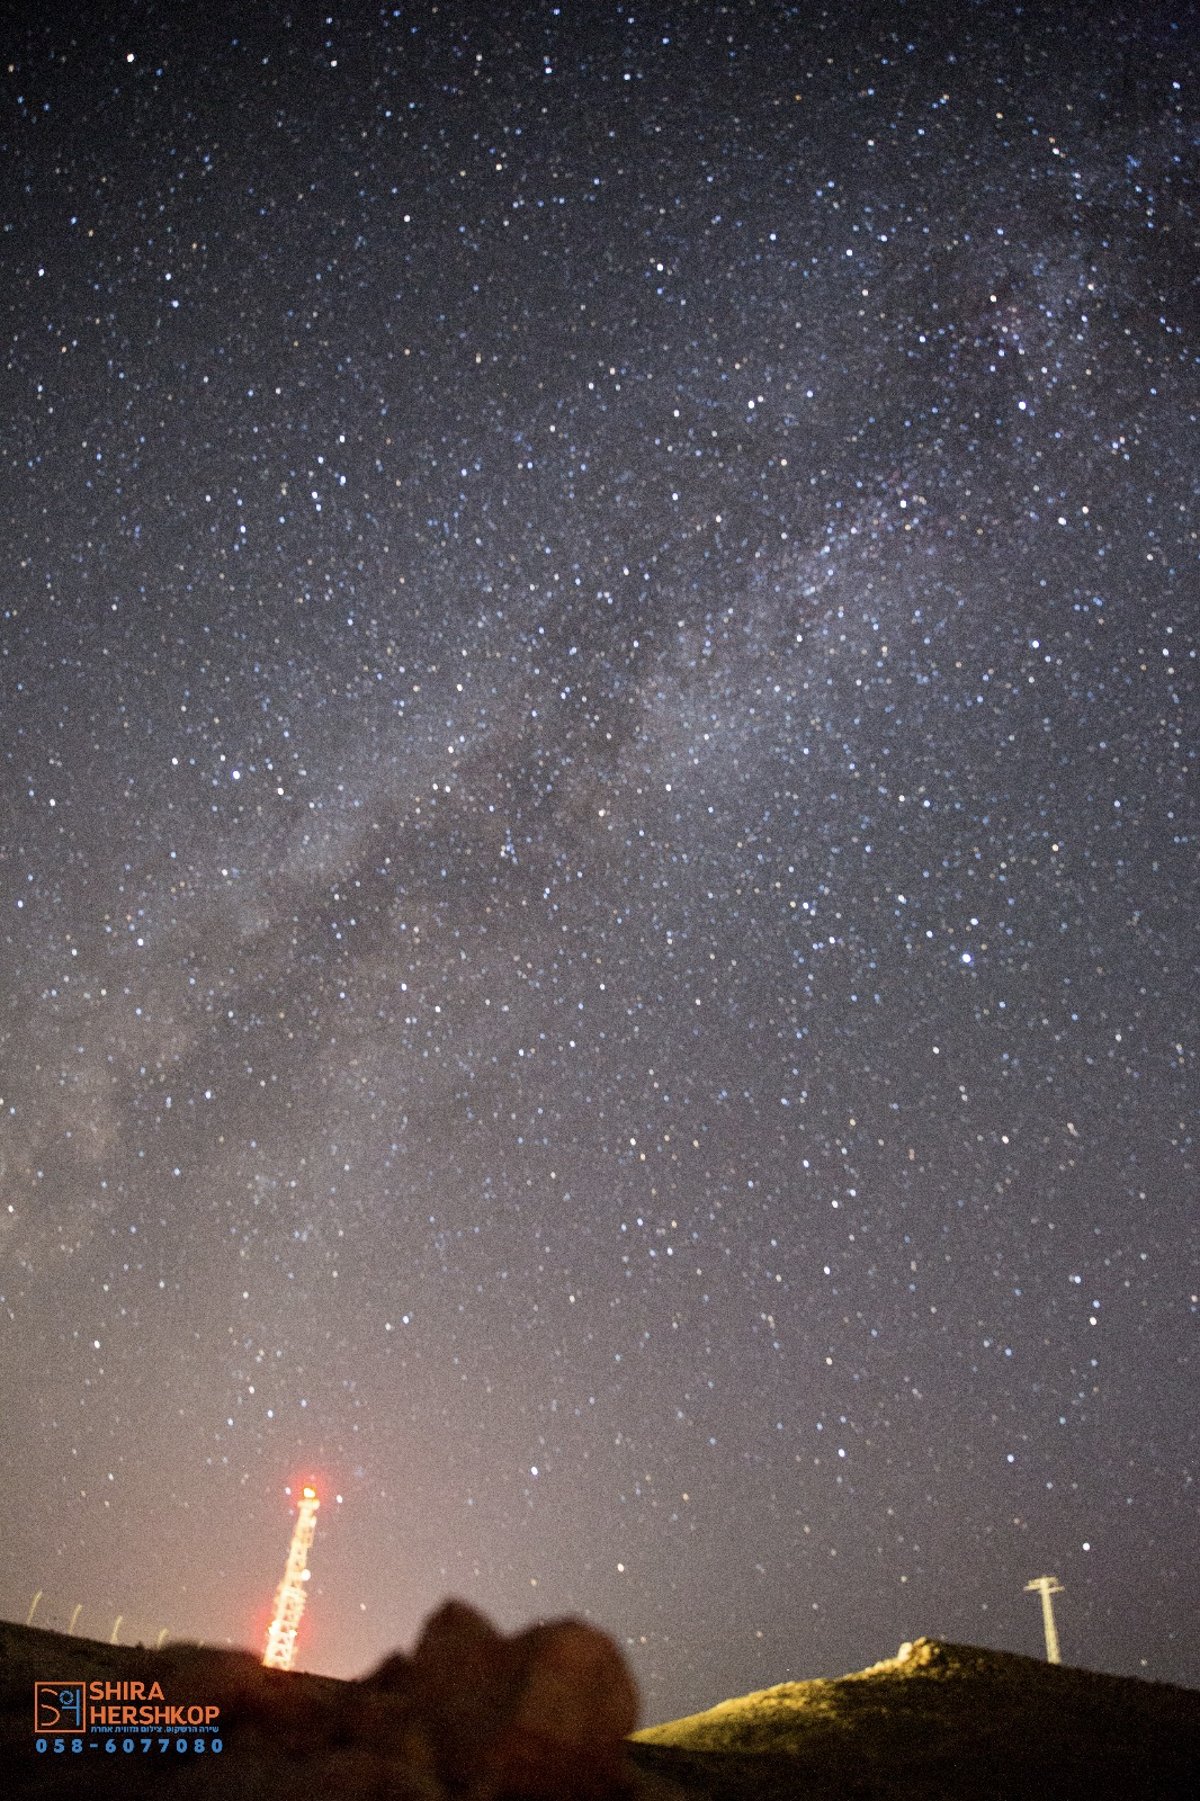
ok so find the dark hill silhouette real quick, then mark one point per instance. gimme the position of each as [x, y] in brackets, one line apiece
[475, 1716]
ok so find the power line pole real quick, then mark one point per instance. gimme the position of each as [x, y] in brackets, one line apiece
[1047, 1586]
[290, 1595]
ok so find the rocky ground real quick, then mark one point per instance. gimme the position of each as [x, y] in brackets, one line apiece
[474, 1716]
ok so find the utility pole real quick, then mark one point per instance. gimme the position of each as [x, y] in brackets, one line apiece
[290, 1595]
[1047, 1586]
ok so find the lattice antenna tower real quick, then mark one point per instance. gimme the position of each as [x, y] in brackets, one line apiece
[290, 1595]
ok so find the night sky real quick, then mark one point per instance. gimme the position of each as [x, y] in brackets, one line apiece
[597, 677]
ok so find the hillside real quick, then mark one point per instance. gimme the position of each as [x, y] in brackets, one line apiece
[939, 1720]
[936, 1721]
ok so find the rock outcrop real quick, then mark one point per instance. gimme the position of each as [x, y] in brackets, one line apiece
[541, 1715]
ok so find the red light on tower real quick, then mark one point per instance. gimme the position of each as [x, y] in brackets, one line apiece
[290, 1595]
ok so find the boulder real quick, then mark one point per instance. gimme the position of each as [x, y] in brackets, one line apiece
[576, 1706]
[542, 1715]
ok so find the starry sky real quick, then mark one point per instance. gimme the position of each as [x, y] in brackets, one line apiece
[597, 675]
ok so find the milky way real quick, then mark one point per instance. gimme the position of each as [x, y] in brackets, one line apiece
[598, 671]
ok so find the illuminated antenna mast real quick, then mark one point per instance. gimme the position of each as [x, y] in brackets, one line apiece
[289, 1596]
[1047, 1586]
